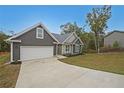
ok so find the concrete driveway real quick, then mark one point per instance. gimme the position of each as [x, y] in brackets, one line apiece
[53, 73]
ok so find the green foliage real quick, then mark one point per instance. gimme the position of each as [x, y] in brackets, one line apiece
[3, 45]
[116, 44]
[97, 20]
[71, 27]
[86, 37]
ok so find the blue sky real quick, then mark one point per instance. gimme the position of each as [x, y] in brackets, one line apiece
[17, 18]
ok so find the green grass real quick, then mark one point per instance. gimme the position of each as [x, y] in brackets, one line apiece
[8, 73]
[109, 62]
[4, 58]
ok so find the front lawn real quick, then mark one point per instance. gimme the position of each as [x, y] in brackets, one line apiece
[4, 57]
[109, 62]
[9, 72]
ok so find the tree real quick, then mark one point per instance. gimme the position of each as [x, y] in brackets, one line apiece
[97, 20]
[3, 45]
[71, 27]
[86, 37]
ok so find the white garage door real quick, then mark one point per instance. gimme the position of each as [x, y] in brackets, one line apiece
[35, 52]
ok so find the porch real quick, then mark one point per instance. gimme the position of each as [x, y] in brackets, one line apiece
[68, 49]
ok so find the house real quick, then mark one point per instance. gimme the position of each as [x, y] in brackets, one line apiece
[115, 36]
[37, 42]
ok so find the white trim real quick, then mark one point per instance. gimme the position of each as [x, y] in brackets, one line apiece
[75, 41]
[49, 32]
[76, 37]
[71, 48]
[79, 39]
[37, 32]
[24, 31]
[15, 41]
[55, 43]
[62, 49]
[67, 38]
[11, 49]
[56, 49]
[77, 46]
[28, 29]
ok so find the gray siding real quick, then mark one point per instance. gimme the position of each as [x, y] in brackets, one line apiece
[78, 42]
[16, 51]
[115, 36]
[29, 39]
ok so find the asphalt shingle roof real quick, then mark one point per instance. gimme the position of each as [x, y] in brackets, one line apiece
[61, 38]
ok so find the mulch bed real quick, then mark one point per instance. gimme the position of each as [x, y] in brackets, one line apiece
[3, 53]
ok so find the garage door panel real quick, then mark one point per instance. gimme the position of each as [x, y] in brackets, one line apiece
[35, 52]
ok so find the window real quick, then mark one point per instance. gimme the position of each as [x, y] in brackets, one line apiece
[39, 33]
[77, 48]
[67, 48]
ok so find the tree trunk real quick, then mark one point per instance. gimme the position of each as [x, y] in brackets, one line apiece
[97, 43]
[98, 50]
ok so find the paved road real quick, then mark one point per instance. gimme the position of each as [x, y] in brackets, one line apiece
[51, 72]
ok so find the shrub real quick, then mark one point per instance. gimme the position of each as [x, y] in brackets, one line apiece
[116, 44]
[91, 51]
[84, 49]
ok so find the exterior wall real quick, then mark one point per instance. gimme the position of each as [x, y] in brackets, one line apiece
[16, 51]
[71, 39]
[115, 36]
[29, 39]
[72, 48]
[79, 49]
[78, 42]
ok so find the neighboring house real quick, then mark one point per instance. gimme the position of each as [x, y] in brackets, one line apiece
[115, 36]
[37, 42]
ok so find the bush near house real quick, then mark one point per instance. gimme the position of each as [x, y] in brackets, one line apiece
[110, 49]
[116, 44]
[4, 57]
[4, 47]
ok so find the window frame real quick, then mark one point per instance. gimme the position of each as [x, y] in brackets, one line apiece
[67, 48]
[77, 46]
[37, 33]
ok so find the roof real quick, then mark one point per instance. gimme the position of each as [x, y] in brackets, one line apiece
[113, 32]
[28, 29]
[57, 37]
[60, 37]
[63, 38]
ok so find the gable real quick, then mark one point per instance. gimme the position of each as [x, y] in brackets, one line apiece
[29, 38]
[71, 38]
[78, 42]
[115, 35]
[29, 29]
